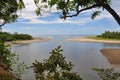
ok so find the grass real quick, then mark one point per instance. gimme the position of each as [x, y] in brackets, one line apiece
[100, 38]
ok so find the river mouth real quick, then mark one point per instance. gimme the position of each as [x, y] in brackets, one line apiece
[84, 55]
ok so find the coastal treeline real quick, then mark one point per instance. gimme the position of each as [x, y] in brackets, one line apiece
[110, 35]
[5, 36]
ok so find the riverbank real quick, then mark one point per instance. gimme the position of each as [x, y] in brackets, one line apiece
[28, 41]
[112, 55]
[86, 39]
[6, 74]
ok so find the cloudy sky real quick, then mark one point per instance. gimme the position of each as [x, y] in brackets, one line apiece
[51, 24]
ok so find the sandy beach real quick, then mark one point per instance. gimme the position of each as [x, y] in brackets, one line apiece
[85, 39]
[112, 55]
[28, 41]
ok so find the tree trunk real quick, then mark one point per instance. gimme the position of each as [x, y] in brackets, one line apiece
[2, 25]
[0, 28]
[112, 12]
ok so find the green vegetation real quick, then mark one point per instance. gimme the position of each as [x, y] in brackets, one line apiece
[4, 36]
[57, 68]
[10, 65]
[20, 69]
[107, 74]
[54, 68]
[109, 35]
[97, 38]
[6, 56]
[72, 8]
[8, 11]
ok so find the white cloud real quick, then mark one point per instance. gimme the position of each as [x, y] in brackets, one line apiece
[80, 21]
[29, 14]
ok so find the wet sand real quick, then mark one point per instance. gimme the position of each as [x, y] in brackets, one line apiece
[112, 55]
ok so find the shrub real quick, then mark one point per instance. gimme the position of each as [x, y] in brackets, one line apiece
[54, 68]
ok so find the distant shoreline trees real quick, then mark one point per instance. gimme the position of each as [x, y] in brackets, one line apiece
[5, 36]
[110, 35]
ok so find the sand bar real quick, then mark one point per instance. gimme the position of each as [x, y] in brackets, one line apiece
[112, 55]
[28, 41]
[85, 39]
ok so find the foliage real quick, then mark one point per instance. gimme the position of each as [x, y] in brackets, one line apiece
[110, 35]
[107, 74]
[8, 11]
[71, 8]
[4, 36]
[10, 60]
[20, 69]
[6, 56]
[96, 13]
[54, 68]
[17, 36]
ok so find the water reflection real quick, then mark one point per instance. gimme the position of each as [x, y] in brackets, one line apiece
[111, 45]
[83, 55]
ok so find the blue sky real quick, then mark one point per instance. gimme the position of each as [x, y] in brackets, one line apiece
[51, 24]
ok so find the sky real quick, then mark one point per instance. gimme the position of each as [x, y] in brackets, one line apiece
[51, 24]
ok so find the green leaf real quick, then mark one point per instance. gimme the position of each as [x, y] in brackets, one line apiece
[54, 68]
[96, 13]
[38, 11]
[36, 1]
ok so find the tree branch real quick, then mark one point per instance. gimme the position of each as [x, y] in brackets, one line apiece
[112, 12]
[3, 23]
[78, 11]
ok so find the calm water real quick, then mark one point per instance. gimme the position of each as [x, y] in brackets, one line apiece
[83, 55]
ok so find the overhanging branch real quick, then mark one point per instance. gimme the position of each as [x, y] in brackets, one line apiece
[3, 23]
[78, 11]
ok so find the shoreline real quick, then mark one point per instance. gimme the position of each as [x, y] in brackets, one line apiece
[7, 74]
[112, 55]
[85, 39]
[28, 41]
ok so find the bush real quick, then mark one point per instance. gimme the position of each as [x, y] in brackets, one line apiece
[6, 56]
[54, 68]
[10, 65]
[107, 74]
